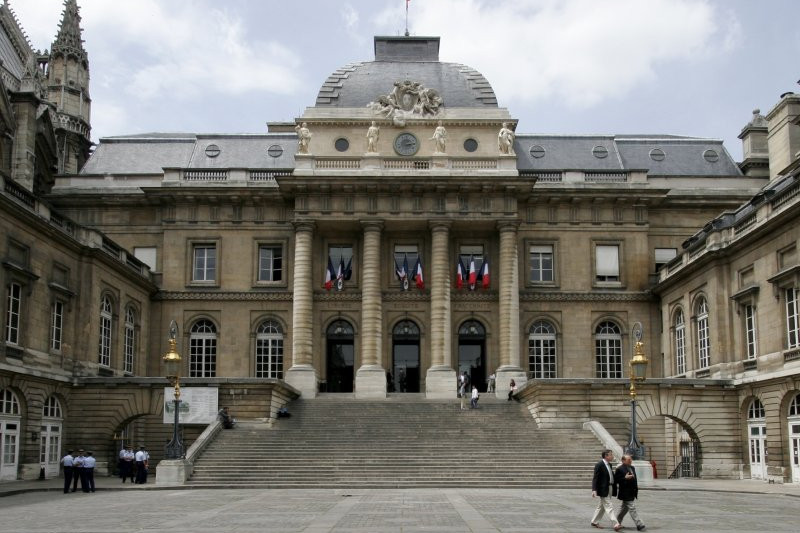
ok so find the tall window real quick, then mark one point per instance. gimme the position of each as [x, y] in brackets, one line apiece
[703, 346]
[203, 350]
[408, 253]
[14, 304]
[269, 350]
[680, 342]
[270, 262]
[205, 263]
[750, 331]
[51, 408]
[541, 262]
[606, 263]
[664, 256]
[57, 325]
[104, 350]
[792, 318]
[9, 405]
[130, 339]
[469, 252]
[542, 350]
[608, 350]
[341, 255]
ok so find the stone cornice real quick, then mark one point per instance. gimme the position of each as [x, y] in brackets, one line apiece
[589, 296]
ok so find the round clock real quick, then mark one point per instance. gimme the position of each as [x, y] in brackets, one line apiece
[406, 144]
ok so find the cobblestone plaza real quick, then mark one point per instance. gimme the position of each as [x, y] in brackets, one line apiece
[376, 511]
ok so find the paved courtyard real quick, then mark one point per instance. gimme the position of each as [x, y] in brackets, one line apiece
[377, 511]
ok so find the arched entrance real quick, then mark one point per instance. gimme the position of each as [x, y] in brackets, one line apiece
[50, 436]
[340, 363]
[405, 357]
[757, 434]
[472, 353]
[794, 437]
[9, 434]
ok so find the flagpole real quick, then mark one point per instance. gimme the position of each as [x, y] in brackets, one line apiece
[407, 18]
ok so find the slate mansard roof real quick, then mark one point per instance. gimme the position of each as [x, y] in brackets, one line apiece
[659, 155]
[405, 58]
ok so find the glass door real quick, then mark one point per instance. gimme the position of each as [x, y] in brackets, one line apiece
[50, 449]
[9, 449]
[758, 448]
[794, 445]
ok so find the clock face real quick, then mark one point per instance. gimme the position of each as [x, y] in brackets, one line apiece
[406, 144]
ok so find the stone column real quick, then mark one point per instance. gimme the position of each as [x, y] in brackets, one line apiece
[302, 375]
[371, 376]
[440, 380]
[508, 281]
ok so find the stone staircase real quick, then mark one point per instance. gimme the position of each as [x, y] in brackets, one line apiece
[336, 441]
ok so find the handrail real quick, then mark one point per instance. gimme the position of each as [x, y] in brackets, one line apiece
[203, 440]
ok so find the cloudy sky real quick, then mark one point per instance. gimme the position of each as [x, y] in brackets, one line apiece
[685, 67]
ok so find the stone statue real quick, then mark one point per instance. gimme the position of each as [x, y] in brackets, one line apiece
[408, 99]
[372, 138]
[303, 138]
[505, 140]
[440, 136]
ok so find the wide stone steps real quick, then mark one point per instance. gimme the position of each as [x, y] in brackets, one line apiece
[336, 442]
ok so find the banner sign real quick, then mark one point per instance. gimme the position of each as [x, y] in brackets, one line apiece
[199, 405]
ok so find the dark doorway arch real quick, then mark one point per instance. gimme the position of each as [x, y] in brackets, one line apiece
[405, 357]
[340, 363]
[472, 353]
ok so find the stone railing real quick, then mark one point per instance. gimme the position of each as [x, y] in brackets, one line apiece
[205, 175]
[745, 223]
[786, 196]
[338, 164]
[268, 175]
[474, 164]
[791, 355]
[406, 164]
[19, 193]
[606, 177]
[549, 177]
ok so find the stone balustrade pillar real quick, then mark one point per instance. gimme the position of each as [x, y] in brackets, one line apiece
[302, 375]
[440, 381]
[371, 376]
[509, 334]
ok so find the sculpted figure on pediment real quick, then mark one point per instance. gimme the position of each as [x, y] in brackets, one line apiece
[407, 100]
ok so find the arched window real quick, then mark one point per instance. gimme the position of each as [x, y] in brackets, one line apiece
[542, 350]
[472, 328]
[105, 331]
[756, 411]
[703, 346]
[9, 405]
[608, 350]
[680, 342]
[51, 408]
[203, 350]
[269, 350]
[794, 407]
[130, 339]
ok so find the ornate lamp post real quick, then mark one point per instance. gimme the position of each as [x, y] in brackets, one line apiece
[172, 365]
[637, 372]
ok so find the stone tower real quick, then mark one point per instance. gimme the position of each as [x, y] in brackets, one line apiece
[68, 91]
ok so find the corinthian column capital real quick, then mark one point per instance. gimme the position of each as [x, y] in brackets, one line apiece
[372, 224]
[303, 225]
[507, 225]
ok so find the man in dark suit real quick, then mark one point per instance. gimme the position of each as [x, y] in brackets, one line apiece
[603, 487]
[628, 491]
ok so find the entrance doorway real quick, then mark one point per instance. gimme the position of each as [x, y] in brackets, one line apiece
[405, 358]
[757, 431]
[340, 364]
[472, 353]
[50, 437]
[9, 434]
[794, 437]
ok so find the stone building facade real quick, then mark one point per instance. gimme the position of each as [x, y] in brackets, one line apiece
[398, 233]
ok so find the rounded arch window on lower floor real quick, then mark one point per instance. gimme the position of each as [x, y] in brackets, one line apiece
[269, 350]
[542, 350]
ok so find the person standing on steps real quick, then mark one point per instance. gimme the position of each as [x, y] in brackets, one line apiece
[603, 487]
[462, 393]
[628, 491]
[512, 389]
[474, 401]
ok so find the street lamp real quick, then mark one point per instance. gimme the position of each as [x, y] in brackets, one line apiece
[172, 366]
[637, 372]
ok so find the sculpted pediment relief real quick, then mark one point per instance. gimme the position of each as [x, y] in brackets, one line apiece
[407, 100]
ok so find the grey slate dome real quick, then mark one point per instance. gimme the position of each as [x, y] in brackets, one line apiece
[406, 58]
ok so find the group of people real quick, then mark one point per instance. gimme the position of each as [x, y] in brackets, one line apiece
[621, 483]
[134, 465]
[79, 467]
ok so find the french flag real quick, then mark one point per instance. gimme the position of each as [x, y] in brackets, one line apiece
[473, 274]
[460, 274]
[418, 275]
[485, 273]
[340, 273]
[329, 275]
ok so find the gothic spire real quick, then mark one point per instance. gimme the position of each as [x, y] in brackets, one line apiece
[68, 41]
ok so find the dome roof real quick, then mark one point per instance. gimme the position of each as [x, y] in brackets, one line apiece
[406, 58]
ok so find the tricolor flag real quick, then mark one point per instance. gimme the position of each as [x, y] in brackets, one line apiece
[460, 274]
[340, 275]
[401, 271]
[473, 274]
[485, 273]
[348, 271]
[417, 276]
[329, 275]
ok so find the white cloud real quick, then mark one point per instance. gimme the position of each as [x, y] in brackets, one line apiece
[580, 52]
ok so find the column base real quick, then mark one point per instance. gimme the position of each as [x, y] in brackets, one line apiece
[371, 382]
[173, 472]
[441, 382]
[644, 470]
[304, 379]
[504, 376]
